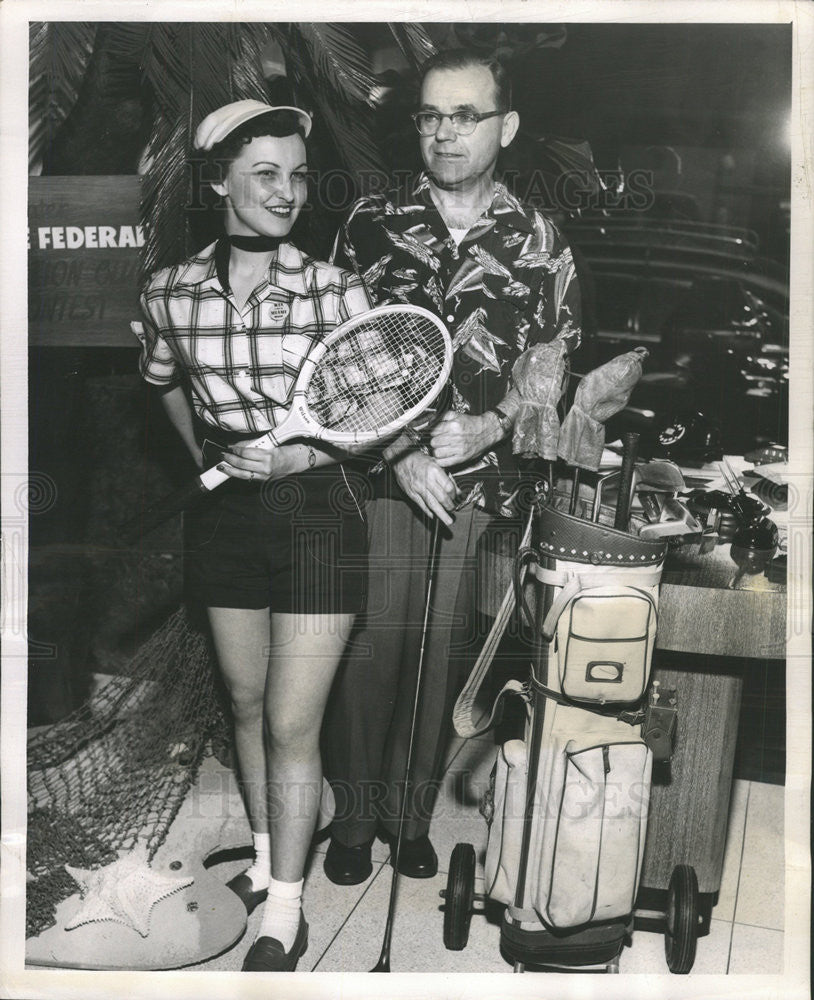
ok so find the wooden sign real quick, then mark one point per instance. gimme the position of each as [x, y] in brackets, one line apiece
[83, 240]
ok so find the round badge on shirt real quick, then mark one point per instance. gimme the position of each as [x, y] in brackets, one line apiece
[277, 312]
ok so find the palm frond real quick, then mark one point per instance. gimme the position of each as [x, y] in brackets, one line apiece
[345, 122]
[155, 50]
[339, 60]
[165, 195]
[182, 63]
[209, 55]
[59, 54]
[348, 129]
[126, 49]
[413, 40]
[246, 43]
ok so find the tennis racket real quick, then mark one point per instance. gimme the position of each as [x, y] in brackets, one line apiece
[368, 379]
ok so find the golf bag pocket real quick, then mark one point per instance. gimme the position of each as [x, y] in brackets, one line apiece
[588, 844]
[604, 644]
[504, 807]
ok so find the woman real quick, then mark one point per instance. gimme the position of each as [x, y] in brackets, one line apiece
[277, 553]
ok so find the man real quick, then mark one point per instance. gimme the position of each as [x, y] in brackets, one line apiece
[501, 277]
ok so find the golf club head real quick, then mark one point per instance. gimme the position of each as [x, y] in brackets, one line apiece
[675, 521]
[652, 504]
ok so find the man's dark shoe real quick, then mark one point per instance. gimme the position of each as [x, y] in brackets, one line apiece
[417, 858]
[268, 955]
[241, 885]
[347, 865]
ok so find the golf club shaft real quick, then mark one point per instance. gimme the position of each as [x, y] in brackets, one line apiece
[630, 443]
[574, 492]
[600, 488]
[383, 965]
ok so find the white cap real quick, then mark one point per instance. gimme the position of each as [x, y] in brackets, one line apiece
[222, 122]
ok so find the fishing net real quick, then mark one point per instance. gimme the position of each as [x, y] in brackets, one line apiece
[116, 771]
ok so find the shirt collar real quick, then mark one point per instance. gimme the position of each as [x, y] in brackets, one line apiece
[505, 208]
[199, 269]
[290, 270]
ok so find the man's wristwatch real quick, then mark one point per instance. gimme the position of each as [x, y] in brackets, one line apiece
[505, 421]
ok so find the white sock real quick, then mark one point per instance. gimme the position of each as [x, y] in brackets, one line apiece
[281, 913]
[260, 871]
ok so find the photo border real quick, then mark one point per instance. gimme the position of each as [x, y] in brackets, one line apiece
[15, 981]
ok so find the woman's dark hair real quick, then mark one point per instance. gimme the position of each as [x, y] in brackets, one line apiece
[274, 123]
[463, 59]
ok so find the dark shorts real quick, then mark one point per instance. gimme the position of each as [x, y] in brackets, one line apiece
[295, 545]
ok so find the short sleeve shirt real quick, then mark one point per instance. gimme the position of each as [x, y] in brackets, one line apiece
[242, 364]
[508, 284]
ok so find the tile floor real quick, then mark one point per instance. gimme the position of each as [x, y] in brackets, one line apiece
[347, 923]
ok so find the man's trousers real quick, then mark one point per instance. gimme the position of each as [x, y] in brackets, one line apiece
[367, 725]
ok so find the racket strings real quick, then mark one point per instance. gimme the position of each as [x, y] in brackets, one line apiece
[376, 372]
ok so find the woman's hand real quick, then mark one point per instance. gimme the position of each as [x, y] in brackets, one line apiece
[242, 461]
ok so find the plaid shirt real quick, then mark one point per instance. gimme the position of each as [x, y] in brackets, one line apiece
[242, 364]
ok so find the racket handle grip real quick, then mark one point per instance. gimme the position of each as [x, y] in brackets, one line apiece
[173, 504]
[630, 449]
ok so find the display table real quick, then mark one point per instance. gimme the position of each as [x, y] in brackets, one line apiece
[718, 629]
[698, 613]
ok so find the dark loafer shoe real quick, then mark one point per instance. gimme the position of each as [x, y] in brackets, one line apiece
[417, 858]
[241, 885]
[347, 865]
[268, 955]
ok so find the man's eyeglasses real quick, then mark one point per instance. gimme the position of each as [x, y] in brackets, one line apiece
[464, 122]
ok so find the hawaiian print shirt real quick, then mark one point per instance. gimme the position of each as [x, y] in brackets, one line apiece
[509, 284]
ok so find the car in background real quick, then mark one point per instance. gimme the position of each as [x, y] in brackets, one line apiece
[713, 314]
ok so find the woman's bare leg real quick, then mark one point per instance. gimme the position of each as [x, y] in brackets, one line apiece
[304, 655]
[242, 641]
[278, 670]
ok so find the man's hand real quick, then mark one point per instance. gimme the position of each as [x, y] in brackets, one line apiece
[425, 483]
[460, 437]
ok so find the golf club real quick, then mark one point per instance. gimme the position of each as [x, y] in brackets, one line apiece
[649, 478]
[600, 488]
[652, 505]
[630, 445]
[675, 520]
[574, 492]
[383, 965]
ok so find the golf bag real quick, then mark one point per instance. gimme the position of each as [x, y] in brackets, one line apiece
[567, 805]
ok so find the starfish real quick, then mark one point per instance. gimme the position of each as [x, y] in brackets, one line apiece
[125, 890]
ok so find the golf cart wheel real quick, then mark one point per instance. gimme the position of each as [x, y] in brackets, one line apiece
[681, 930]
[459, 896]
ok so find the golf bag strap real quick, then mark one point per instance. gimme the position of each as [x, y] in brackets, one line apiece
[523, 914]
[573, 583]
[465, 725]
[630, 716]
[463, 716]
